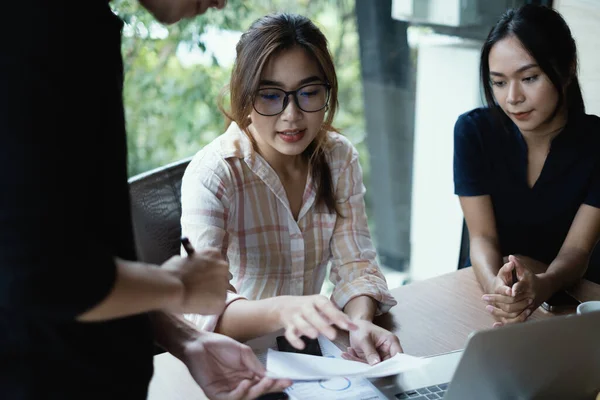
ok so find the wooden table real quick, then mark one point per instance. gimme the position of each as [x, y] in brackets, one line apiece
[433, 316]
[437, 315]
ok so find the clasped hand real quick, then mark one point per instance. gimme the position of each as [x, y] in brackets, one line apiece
[513, 302]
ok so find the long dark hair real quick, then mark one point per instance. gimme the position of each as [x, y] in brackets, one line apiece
[546, 36]
[265, 38]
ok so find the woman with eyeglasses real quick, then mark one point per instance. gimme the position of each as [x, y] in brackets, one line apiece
[527, 167]
[281, 193]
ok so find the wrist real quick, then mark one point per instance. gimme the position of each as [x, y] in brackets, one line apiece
[277, 311]
[190, 345]
[495, 282]
[491, 286]
[171, 292]
[361, 308]
[174, 333]
[549, 284]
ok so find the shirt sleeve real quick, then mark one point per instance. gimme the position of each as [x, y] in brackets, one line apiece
[52, 265]
[469, 167]
[204, 213]
[354, 269]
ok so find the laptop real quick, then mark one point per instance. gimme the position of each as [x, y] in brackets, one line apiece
[555, 358]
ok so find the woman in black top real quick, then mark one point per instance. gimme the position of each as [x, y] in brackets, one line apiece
[527, 166]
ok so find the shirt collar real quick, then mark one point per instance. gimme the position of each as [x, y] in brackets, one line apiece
[235, 143]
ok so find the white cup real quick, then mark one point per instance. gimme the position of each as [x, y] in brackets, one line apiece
[588, 306]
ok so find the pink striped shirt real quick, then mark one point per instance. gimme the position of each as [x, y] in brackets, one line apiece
[233, 200]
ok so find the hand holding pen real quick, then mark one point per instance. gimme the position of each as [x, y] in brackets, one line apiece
[204, 280]
[189, 249]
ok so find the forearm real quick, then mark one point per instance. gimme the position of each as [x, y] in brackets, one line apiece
[247, 319]
[138, 288]
[567, 268]
[486, 260]
[361, 308]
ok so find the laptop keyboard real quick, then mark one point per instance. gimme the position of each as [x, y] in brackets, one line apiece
[425, 393]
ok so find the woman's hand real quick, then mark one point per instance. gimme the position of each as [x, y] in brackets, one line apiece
[311, 316]
[503, 282]
[520, 300]
[501, 303]
[371, 343]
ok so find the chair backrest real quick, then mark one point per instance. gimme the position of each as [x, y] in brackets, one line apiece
[156, 211]
[464, 247]
[592, 273]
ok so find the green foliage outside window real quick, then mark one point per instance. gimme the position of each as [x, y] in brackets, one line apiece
[171, 104]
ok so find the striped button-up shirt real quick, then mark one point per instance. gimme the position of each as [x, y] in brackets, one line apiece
[233, 200]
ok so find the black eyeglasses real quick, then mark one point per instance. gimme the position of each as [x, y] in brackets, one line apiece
[308, 98]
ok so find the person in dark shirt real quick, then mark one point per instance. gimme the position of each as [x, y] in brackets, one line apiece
[526, 167]
[77, 313]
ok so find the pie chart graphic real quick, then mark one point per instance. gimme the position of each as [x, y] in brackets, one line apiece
[335, 384]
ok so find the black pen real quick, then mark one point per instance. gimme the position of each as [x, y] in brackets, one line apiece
[190, 250]
[187, 246]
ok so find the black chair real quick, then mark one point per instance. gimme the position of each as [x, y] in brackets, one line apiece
[593, 271]
[463, 255]
[592, 274]
[156, 211]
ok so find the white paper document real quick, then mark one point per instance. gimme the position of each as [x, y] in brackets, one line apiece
[338, 388]
[352, 388]
[303, 367]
